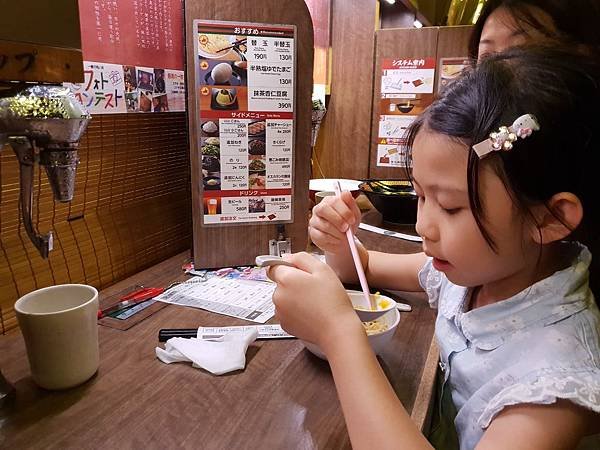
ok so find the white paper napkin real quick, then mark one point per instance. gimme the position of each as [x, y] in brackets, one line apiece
[218, 356]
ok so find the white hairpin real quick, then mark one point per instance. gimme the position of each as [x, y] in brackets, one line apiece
[505, 136]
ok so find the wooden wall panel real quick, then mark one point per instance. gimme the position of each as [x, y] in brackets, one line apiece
[239, 244]
[131, 209]
[438, 42]
[396, 43]
[342, 148]
[453, 41]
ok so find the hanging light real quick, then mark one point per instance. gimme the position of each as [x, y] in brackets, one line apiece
[391, 2]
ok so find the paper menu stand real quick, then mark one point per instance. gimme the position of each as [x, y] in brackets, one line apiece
[236, 212]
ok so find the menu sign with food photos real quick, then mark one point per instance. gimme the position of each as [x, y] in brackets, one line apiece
[406, 90]
[245, 75]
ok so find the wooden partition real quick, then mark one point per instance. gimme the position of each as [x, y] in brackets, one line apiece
[342, 149]
[413, 43]
[131, 209]
[218, 246]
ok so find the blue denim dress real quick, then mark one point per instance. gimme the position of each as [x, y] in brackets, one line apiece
[535, 347]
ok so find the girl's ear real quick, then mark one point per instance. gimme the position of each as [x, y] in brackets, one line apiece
[556, 220]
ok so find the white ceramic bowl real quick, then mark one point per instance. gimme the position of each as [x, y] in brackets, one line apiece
[378, 341]
[328, 184]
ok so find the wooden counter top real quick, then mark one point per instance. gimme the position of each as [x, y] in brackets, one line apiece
[285, 398]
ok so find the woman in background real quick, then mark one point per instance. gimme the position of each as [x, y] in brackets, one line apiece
[507, 23]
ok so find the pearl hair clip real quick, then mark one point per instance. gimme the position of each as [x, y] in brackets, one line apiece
[505, 136]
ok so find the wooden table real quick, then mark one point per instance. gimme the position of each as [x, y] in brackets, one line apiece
[284, 399]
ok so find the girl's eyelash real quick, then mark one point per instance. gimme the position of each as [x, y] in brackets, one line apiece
[451, 211]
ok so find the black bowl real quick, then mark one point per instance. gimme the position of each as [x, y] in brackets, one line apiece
[396, 200]
[211, 163]
[405, 108]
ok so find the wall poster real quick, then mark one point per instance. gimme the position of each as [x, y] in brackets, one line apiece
[133, 56]
[450, 70]
[406, 90]
[245, 75]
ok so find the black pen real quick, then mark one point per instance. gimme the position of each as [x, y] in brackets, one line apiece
[168, 333]
[267, 331]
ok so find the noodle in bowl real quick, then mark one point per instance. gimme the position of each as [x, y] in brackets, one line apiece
[379, 333]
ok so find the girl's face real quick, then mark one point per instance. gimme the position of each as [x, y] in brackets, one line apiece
[501, 31]
[447, 225]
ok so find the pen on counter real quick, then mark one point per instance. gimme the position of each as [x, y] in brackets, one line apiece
[167, 333]
[132, 299]
[118, 307]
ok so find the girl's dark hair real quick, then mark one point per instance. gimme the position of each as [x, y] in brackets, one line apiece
[561, 89]
[576, 21]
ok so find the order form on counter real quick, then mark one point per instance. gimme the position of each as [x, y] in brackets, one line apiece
[244, 299]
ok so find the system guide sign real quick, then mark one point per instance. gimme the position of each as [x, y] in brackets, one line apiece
[245, 75]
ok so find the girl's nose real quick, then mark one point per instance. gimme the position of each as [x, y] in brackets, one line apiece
[426, 226]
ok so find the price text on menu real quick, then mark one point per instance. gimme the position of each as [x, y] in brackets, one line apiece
[246, 92]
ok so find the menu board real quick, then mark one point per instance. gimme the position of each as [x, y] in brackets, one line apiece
[245, 75]
[406, 90]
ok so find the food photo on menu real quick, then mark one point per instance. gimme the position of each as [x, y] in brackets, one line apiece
[256, 205]
[256, 164]
[212, 205]
[212, 182]
[224, 99]
[257, 180]
[222, 46]
[210, 128]
[211, 147]
[220, 73]
[257, 128]
[257, 147]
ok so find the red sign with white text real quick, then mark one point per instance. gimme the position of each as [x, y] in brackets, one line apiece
[133, 32]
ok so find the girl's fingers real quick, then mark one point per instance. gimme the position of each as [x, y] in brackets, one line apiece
[325, 241]
[325, 227]
[335, 211]
[304, 261]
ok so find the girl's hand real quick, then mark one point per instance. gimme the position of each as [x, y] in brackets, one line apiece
[310, 301]
[330, 220]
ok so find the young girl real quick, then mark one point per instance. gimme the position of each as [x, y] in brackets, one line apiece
[504, 166]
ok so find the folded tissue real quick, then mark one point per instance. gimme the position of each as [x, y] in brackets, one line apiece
[219, 355]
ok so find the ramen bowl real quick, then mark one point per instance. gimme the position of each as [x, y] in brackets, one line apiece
[379, 340]
[396, 200]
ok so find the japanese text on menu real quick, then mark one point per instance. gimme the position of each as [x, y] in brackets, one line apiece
[246, 110]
